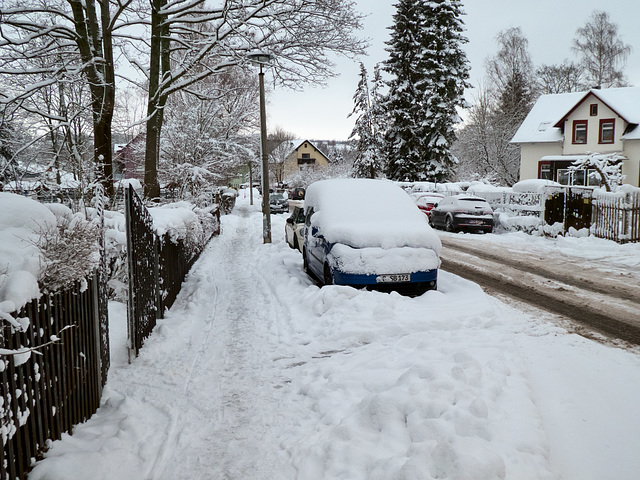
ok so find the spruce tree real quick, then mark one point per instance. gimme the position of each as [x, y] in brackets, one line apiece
[429, 72]
[367, 161]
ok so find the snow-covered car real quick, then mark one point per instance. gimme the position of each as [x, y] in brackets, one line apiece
[368, 233]
[427, 201]
[278, 203]
[294, 228]
[462, 212]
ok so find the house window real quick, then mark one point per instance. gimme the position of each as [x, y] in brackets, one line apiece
[593, 178]
[306, 155]
[607, 126]
[545, 171]
[579, 131]
[593, 109]
[564, 176]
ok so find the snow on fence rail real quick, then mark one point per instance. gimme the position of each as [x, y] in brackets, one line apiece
[57, 381]
[616, 216]
[529, 204]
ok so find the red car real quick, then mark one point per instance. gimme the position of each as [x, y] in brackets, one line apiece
[427, 201]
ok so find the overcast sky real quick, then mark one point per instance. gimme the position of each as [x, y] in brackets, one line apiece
[549, 25]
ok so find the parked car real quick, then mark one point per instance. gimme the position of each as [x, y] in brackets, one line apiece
[278, 203]
[294, 228]
[297, 193]
[462, 212]
[368, 233]
[427, 201]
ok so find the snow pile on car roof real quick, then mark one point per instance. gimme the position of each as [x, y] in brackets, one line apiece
[368, 213]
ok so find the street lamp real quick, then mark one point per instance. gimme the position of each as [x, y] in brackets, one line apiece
[260, 58]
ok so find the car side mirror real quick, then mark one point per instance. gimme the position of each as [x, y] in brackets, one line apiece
[289, 220]
[435, 205]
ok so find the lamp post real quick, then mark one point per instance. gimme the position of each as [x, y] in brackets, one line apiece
[259, 58]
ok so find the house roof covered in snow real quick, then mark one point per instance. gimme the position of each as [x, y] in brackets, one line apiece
[545, 118]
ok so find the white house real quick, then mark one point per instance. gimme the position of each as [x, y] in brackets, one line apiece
[563, 128]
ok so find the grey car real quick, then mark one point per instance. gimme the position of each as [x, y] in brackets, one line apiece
[278, 203]
[462, 212]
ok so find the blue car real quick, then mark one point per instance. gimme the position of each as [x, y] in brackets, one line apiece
[370, 234]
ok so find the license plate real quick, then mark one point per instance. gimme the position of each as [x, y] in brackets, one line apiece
[395, 278]
[475, 222]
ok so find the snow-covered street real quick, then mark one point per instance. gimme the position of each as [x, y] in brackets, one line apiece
[256, 373]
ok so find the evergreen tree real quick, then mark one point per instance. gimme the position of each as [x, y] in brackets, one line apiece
[429, 72]
[367, 161]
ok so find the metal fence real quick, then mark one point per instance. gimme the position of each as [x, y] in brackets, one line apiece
[157, 268]
[142, 255]
[60, 384]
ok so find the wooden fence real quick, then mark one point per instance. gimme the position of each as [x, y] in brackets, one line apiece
[616, 217]
[60, 384]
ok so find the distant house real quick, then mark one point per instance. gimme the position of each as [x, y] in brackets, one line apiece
[129, 158]
[563, 128]
[304, 155]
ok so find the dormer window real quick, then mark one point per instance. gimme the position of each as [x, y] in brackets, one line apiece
[593, 109]
[607, 128]
[579, 131]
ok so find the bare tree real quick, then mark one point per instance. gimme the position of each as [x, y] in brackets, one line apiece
[562, 78]
[279, 145]
[603, 53]
[501, 107]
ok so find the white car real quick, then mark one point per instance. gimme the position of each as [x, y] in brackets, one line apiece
[368, 233]
[294, 228]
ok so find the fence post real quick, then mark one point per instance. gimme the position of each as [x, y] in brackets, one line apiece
[156, 273]
[131, 330]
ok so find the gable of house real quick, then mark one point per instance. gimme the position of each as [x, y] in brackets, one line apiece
[130, 158]
[304, 155]
[563, 128]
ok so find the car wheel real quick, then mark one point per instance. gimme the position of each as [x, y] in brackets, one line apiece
[431, 224]
[449, 225]
[328, 279]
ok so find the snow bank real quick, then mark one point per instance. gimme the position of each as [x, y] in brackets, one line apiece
[22, 222]
[534, 186]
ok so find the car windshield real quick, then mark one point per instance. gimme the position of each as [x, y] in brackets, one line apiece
[277, 196]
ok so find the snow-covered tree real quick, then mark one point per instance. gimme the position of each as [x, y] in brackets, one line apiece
[602, 52]
[60, 40]
[193, 39]
[368, 161]
[205, 138]
[607, 167]
[429, 70]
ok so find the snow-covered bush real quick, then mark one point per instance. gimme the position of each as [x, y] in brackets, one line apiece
[70, 252]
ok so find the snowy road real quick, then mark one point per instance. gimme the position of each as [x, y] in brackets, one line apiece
[256, 373]
[594, 292]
